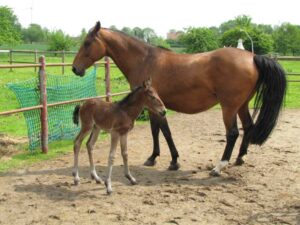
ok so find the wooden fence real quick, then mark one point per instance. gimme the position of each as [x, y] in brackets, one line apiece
[43, 83]
[43, 93]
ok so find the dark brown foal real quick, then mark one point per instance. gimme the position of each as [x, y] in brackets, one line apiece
[117, 119]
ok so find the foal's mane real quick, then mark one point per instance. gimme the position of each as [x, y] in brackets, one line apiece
[129, 99]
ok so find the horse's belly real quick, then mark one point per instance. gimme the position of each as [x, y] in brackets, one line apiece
[190, 103]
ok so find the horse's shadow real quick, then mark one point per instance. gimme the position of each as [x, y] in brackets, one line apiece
[64, 189]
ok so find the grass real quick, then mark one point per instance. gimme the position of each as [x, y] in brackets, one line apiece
[14, 125]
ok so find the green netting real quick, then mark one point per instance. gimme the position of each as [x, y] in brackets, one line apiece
[59, 88]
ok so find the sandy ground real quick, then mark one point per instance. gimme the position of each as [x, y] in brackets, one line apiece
[265, 190]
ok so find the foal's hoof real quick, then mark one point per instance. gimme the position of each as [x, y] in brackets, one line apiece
[214, 173]
[76, 182]
[174, 166]
[150, 162]
[239, 161]
[97, 179]
[108, 189]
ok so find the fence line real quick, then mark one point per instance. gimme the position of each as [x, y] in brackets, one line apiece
[43, 93]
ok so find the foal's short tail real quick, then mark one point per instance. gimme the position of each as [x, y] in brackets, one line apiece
[271, 88]
[76, 114]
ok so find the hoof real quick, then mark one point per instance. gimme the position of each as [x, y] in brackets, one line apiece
[174, 166]
[76, 182]
[97, 179]
[150, 162]
[214, 173]
[239, 161]
[108, 190]
[131, 179]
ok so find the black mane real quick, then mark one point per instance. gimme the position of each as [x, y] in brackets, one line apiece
[129, 99]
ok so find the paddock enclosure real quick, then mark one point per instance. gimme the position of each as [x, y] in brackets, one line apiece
[265, 190]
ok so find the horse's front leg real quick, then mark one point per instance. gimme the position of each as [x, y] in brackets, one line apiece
[155, 135]
[162, 124]
[114, 142]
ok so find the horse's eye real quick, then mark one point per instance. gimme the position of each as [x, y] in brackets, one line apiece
[86, 44]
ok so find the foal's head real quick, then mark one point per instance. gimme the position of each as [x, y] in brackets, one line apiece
[151, 99]
[146, 96]
[92, 50]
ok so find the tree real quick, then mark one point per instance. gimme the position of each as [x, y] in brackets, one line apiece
[59, 41]
[148, 34]
[127, 30]
[34, 33]
[287, 39]
[263, 43]
[241, 21]
[199, 40]
[160, 42]
[10, 29]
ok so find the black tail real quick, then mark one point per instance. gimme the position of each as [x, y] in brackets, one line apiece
[76, 114]
[271, 89]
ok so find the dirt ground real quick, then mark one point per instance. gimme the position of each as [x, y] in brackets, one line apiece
[265, 190]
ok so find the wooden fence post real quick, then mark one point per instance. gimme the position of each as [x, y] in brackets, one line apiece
[35, 59]
[44, 110]
[107, 79]
[63, 61]
[10, 58]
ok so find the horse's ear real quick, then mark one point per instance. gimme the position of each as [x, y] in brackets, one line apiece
[96, 28]
[147, 83]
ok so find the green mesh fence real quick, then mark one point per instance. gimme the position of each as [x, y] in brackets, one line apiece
[59, 88]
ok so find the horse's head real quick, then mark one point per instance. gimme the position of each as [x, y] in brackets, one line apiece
[92, 50]
[152, 101]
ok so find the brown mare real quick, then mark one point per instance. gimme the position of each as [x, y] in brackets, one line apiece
[192, 83]
[117, 119]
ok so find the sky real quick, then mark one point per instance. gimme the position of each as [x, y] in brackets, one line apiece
[160, 15]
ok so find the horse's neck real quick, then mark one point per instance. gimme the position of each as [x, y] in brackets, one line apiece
[134, 109]
[128, 53]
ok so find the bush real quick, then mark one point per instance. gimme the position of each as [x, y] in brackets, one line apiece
[59, 41]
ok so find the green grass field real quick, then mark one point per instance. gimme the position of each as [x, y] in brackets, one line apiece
[14, 125]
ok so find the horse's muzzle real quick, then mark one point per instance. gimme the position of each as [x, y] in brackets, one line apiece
[77, 71]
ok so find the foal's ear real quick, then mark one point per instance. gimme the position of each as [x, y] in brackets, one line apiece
[96, 28]
[147, 83]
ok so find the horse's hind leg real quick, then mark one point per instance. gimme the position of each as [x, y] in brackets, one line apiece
[114, 142]
[232, 133]
[77, 144]
[90, 145]
[123, 141]
[247, 124]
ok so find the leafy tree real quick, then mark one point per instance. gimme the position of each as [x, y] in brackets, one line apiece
[127, 30]
[199, 40]
[113, 27]
[160, 42]
[10, 29]
[59, 41]
[287, 39]
[241, 21]
[262, 43]
[148, 34]
[34, 33]
[138, 33]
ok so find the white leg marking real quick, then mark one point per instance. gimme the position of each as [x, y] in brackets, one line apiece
[219, 167]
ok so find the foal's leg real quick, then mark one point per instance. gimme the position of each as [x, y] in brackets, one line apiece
[247, 123]
[162, 123]
[123, 142]
[77, 144]
[114, 142]
[232, 134]
[90, 145]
